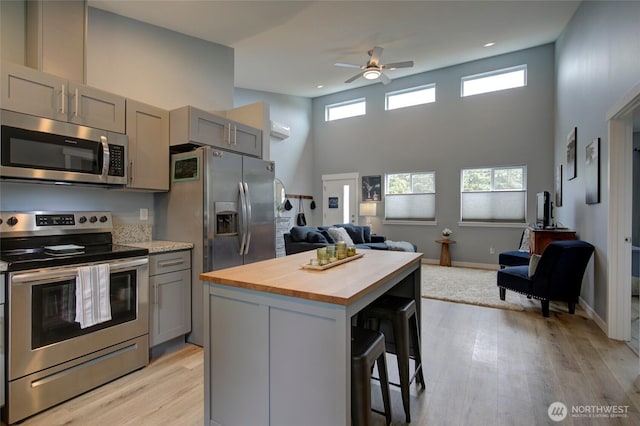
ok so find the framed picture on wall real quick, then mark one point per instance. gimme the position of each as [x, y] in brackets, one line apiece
[572, 141]
[592, 172]
[371, 188]
[559, 186]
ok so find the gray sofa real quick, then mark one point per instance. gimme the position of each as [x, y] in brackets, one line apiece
[305, 238]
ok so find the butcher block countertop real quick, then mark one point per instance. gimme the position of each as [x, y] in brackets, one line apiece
[340, 285]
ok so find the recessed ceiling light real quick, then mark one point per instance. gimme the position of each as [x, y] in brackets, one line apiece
[319, 86]
[489, 44]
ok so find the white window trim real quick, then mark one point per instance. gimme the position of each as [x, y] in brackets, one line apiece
[409, 90]
[492, 224]
[327, 108]
[491, 74]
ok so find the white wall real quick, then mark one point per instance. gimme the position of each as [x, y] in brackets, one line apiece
[597, 63]
[510, 127]
[293, 156]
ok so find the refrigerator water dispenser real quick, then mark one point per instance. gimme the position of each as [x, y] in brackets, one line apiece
[226, 218]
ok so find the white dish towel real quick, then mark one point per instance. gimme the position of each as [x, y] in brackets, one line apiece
[93, 304]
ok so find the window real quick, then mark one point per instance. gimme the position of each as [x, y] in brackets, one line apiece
[410, 196]
[493, 81]
[345, 109]
[495, 194]
[410, 97]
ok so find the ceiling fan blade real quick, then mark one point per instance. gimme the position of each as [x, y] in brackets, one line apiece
[339, 64]
[355, 77]
[405, 64]
[384, 79]
[375, 54]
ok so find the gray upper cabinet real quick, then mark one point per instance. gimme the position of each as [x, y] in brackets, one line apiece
[30, 91]
[195, 126]
[148, 131]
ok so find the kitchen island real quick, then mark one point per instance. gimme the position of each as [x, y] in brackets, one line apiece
[277, 336]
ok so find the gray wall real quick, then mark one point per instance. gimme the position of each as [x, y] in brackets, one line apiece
[510, 127]
[293, 156]
[597, 63]
[136, 60]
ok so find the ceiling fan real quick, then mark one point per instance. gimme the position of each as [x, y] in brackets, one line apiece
[373, 69]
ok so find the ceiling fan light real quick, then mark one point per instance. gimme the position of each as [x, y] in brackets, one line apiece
[371, 74]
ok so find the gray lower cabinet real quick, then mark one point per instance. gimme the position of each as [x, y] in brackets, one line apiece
[170, 296]
[148, 131]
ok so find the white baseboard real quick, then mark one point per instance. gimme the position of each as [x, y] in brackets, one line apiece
[593, 315]
[489, 266]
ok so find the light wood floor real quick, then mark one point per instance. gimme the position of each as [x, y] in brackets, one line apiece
[483, 366]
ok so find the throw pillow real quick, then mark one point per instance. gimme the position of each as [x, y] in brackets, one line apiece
[316, 237]
[355, 232]
[533, 264]
[340, 234]
[524, 244]
[299, 233]
[366, 234]
[327, 235]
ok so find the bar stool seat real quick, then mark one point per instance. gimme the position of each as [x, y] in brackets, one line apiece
[367, 348]
[399, 312]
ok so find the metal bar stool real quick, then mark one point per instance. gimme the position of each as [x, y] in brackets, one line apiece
[367, 348]
[398, 311]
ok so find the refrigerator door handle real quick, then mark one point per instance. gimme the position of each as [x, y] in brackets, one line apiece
[243, 222]
[249, 217]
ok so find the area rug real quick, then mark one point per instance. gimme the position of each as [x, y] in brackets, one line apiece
[466, 285]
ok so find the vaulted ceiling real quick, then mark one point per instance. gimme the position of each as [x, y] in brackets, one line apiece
[291, 47]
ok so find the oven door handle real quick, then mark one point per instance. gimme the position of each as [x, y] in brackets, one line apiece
[46, 275]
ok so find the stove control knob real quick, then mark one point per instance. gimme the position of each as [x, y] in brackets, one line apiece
[93, 219]
[0, 221]
[103, 219]
[12, 221]
[82, 219]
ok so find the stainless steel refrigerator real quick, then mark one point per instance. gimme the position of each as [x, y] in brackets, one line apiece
[223, 203]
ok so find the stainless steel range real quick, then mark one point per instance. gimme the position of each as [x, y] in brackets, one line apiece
[53, 353]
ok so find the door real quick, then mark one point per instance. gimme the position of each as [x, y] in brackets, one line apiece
[223, 209]
[339, 197]
[259, 178]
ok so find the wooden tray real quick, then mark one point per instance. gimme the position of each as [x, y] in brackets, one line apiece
[332, 264]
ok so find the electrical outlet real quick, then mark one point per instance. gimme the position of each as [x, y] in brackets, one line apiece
[144, 214]
[492, 250]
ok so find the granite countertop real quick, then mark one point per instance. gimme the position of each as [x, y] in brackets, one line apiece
[159, 246]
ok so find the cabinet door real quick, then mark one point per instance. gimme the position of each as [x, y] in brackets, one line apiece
[96, 108]
[246, 140]
[32, 92]
[148, 131]
[208, 129]
[171, 306]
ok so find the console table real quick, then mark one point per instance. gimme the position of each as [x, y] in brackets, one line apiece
[278, 337]
[541, 238]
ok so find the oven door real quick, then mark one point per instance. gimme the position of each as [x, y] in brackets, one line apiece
[42, 327]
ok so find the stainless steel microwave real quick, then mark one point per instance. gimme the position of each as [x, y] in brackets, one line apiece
[35, 148]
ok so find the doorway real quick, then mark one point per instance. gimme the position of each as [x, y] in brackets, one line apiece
[623, 120]
[339, 196]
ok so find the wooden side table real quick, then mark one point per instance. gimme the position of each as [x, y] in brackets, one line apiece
[445, 255]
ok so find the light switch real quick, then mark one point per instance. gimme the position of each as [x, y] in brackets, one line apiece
[144, 214]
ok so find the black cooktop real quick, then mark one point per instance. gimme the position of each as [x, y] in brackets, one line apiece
[62, 250]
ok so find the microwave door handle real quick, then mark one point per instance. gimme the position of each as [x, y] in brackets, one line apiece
[105, 157]
[249, 218]
[243, 206]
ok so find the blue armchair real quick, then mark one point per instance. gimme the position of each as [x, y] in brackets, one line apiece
[518, 257]
[558, 275]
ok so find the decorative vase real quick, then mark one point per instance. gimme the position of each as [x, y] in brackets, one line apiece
[445, 237]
